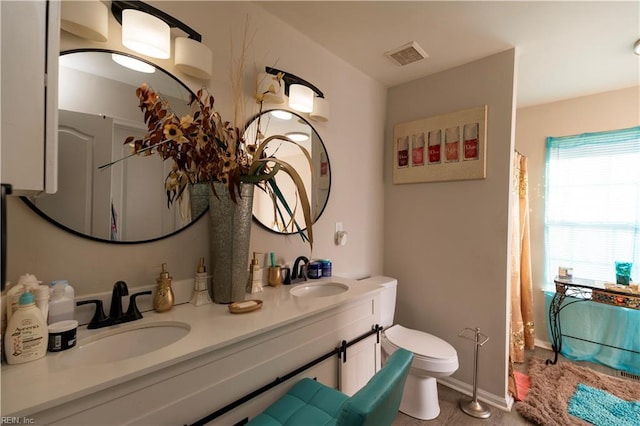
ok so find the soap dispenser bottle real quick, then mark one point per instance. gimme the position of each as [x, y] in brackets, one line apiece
[255, 276]
[200, 292]
[26, 336]
[163, 299]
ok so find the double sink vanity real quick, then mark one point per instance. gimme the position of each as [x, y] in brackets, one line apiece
[180, 366]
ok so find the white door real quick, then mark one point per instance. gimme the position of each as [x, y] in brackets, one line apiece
[82, 201]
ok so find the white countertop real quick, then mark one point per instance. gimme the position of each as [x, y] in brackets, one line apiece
[38, 385]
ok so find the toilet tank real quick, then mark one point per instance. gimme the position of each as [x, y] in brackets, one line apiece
[387, 298]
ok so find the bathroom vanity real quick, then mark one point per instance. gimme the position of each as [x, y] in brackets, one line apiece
[218, 358]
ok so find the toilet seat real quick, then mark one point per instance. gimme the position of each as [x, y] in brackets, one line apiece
[430, 352]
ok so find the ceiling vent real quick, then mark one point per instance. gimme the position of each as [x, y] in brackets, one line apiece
[407, 54]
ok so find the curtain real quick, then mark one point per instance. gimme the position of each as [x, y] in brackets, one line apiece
[522, 333]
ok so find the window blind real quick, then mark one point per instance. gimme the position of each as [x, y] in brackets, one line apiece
[592, 204]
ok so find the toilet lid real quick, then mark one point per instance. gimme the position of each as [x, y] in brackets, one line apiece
[420, 343]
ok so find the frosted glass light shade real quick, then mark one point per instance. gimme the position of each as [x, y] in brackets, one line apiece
[146, 34]
[193, 58]
[265, 80]
[86, 19]
[320, 110]
[133, 63]
[301, 98]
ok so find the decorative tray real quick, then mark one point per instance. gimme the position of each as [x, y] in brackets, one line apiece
[245, 307]
[631, 288]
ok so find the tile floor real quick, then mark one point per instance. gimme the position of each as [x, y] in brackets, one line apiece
[451, 414]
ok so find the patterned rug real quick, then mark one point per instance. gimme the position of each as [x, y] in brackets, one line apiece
[549, 399]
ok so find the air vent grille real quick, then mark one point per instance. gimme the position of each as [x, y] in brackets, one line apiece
[629, 375]
[407, 54]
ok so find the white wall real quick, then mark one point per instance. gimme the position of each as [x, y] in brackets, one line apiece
[353, 138]
[447, 242]
[605, 111]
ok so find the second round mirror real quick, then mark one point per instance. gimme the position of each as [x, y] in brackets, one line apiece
[317, 178]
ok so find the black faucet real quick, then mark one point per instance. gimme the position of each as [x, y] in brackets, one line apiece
[120, 289]
[100, 320]
[299, 274]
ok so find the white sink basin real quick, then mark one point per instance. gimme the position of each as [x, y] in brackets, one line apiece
[319, 289]
[128, 341]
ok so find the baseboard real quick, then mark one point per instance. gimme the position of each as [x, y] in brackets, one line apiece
[544, 344]
[499, 402]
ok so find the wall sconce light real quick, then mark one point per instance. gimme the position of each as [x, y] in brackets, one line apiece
[191, 56]
[86, 19]
[636, 47]
[146, 34]
[320, 110]
[303, 96]
[272, 92]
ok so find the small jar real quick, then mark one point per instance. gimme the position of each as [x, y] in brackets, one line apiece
[326, 267]
[314, 270]
[62, 335]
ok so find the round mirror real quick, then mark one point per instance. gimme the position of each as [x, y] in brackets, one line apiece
[98, 110]
[316, 175]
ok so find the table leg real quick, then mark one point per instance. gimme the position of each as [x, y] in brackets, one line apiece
[554, 325]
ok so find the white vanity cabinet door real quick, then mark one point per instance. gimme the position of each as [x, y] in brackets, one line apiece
[30, 48]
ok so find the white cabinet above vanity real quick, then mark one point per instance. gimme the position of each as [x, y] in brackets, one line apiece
[222, 358]
[30, 47]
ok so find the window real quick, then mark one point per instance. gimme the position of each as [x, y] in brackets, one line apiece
[592, 215]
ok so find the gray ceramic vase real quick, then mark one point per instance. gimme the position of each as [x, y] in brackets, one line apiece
[229, 234]
[199, 198]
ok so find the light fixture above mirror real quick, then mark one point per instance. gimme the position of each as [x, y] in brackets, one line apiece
[191, 56]
[146, 34]
[86, 19]
[303, 96]
[145, 30]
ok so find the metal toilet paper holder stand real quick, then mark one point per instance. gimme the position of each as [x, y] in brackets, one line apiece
[474, 407]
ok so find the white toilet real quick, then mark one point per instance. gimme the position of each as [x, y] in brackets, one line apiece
[432, 358]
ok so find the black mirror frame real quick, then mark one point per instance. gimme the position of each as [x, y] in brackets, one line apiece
[102, 240]
[255, 219]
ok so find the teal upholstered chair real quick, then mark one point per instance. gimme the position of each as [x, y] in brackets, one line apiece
[311, 403]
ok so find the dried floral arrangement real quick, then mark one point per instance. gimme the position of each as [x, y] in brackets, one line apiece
[206, 148]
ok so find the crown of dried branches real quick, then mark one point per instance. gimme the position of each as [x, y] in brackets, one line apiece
[205, 148]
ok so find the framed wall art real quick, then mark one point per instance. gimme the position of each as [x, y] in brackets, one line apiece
[441, 148]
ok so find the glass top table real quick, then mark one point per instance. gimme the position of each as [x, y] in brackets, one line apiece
[580, 290]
